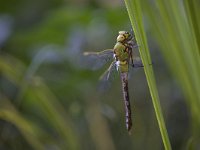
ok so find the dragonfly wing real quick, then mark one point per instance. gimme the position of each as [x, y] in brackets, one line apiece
[107, 77]
[137, 62]
[96, 60]
[108, 73]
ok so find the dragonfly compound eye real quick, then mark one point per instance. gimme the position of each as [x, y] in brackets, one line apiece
[123, 35]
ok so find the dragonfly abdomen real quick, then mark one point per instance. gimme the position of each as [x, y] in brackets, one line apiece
[124, 80]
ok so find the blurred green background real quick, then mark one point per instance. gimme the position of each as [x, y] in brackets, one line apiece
[49, 98]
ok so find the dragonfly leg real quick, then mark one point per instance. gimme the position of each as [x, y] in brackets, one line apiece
[131, 58]
[140, 65]
[137, 65]
[136, 46]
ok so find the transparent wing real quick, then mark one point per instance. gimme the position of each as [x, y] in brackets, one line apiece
[137, 62]
[95, 60]
[108, 73]
[107, 77]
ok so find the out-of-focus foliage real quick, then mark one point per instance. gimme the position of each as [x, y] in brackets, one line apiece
[49, 99]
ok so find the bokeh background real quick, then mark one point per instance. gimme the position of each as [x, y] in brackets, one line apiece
[50, 98]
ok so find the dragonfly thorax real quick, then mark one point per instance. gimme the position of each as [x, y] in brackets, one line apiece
[121, 56]
[120, 51]
[123, 50]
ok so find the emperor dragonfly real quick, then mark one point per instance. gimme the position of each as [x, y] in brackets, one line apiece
[122, 58]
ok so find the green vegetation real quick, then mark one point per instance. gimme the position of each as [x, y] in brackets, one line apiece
[49, 99]
[137, 23]
[175, 25]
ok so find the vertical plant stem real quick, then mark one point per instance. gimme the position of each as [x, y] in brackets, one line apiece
[135, 15]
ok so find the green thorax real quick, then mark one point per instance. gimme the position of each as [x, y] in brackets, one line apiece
[120, 51]
[122, 56]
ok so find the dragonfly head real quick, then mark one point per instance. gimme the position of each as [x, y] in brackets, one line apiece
[124, 36]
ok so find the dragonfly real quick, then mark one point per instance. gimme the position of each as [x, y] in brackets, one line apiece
[122, 58]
